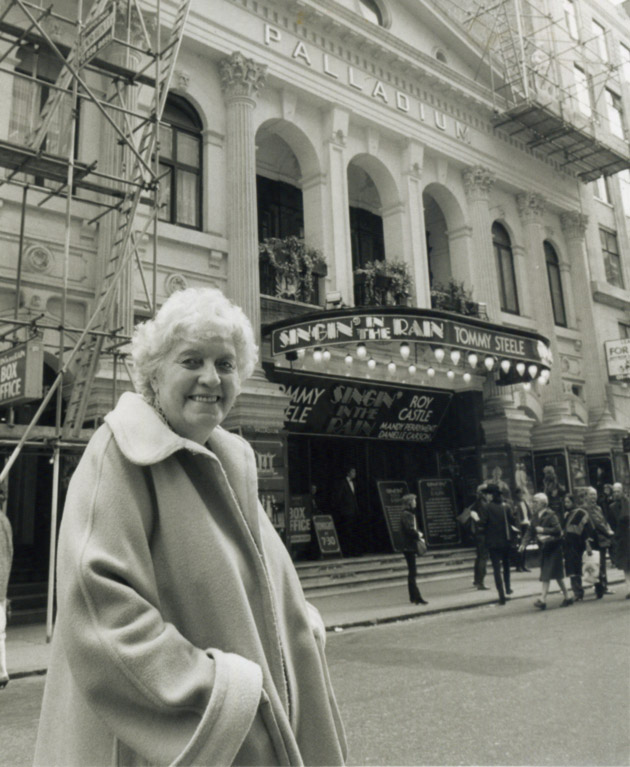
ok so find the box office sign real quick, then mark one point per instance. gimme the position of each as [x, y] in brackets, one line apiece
[340, 407]
[420, 326]
[618, 359]
[22, 373]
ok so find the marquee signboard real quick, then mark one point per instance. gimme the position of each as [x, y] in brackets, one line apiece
[22, 373]
[618, 359]
[342, 407]
[418, 325]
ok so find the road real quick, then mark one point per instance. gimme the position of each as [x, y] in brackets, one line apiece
[487, 686]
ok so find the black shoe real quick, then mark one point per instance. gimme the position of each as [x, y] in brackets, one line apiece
[540, 604]
[509, 591]
[421, 601]
[4, 681]
[566, 602]
[481, 587]
[526, 570]
[502, 600]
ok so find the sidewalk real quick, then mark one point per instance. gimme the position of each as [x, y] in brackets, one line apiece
[28, 653]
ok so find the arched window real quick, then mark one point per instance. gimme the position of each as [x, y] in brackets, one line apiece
[371, 11]
[180, 160]
[505, 269]
[555, 284]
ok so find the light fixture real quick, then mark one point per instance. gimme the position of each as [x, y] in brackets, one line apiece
[473, 359]
[527, 386]
[326, 355]
[371, 363]
[544, 375]
[430, 372]
[412, 369]
[439, 354]
[300, 353]
[505, 366]
[361, 351]
[489, 363]
[317, 355]
[348, 359]
[405, 351]
[391, 367]
[450, 375]
[520, 368]
[456, 355]
[532, 370]
[466, 377]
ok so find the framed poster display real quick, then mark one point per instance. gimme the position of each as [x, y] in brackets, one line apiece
[437, 504]
[496, 467]
[390, 493]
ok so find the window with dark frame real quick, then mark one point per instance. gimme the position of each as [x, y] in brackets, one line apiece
[505, 269]
[624, 330]
[180, 164]
[367, 237]
[555, 285]
[612, 258]
[280, 209]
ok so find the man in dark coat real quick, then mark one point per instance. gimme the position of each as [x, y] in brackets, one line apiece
[410, 538]
[496, 520]
[348, 515]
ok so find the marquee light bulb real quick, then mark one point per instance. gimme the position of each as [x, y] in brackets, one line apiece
[300, 353]
[430, 372]
[532, 370]
[520, 368]
[361, 351]
[489, 363]
[439, 354]
[544, 376]
[317, 355]
[348, 359]
[456, 356]
[326, 355]
[505, 365]
[371, 363]
[473, 360]
[450, 375]
[391, 367]
[466, 377]
[412, 369]
[527, 386]
[405, 351]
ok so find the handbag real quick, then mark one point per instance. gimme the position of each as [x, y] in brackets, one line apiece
[421, 546]
[590, 566]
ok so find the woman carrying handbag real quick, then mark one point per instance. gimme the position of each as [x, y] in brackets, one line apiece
[413, 543]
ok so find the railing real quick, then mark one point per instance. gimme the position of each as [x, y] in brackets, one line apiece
[379, 293]
[463, 306]
[275, 284]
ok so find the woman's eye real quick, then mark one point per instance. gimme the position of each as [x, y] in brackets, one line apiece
[191, 362]
[226, 365]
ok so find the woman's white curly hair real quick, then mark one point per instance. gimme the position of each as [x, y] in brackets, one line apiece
[191, 314]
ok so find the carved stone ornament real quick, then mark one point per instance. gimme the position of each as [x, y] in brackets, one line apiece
[181, 79]
[478, 180]
[38, 258]
[531, 205]
[241, 76]
[574, 224]
[175, 282]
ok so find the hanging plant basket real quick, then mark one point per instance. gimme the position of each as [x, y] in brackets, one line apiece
[293, 269]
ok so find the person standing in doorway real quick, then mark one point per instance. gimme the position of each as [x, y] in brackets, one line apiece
[523, 515]
[495, 521]
[411, 535]
[601, 540]
[6, 559]
[348, 511]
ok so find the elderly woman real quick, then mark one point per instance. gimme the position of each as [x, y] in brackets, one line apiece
[182, 635]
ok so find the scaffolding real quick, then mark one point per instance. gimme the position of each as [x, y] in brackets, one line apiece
[550, 87]
[117, 60]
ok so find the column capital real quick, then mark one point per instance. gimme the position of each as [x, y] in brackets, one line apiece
[241, 77]
[478, 180]
[531, 206]
[574, 224]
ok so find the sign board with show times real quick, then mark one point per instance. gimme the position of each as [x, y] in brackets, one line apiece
[390, 493]
[22, 373]
[618, 359]
[437, 503]
[97, 35]
[326, 534]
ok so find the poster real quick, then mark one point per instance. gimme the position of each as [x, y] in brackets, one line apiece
[523, 475]
[390, 493]
[557, 461]
[578, 470]
[437, 504]
[270, 467]
[326, 534]
[300, 524]
[496, 467]
[461, 465]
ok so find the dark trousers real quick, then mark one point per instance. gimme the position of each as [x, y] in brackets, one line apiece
[414, 591]
[521, 556]
[602, 585]
[481, 560]
[576, 586]
[500, 557]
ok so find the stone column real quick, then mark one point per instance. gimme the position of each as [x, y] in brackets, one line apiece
[603, 432]
[412, 184]
[477, 182]
[241, 79]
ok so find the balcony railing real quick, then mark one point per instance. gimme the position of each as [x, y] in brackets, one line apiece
[294, 275]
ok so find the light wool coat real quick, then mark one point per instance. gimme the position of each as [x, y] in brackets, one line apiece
[182, 634]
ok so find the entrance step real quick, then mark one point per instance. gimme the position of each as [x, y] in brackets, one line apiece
[331, 577]
[28, 602]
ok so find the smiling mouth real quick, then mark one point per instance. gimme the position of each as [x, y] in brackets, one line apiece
[204, 398]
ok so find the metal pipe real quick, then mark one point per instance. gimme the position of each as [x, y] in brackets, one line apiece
[18, 285]
[50, 602]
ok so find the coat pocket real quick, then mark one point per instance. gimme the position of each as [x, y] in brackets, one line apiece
[263, 744]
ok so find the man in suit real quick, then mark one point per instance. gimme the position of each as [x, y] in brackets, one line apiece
[348, 515]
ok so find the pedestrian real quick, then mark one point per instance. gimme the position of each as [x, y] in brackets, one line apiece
[578, 536]
[348, 514]
[495, 520]
[604, 502]
[471, 517]
[522, 516]
[182, 633]
[410, 537]
[545, 528]
[6, 559]
[620, 507]
[602, 540]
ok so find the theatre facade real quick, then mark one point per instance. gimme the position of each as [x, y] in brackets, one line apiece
[431, 288]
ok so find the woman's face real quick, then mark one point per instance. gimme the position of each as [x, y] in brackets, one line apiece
[196, 386]
[568, 503]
